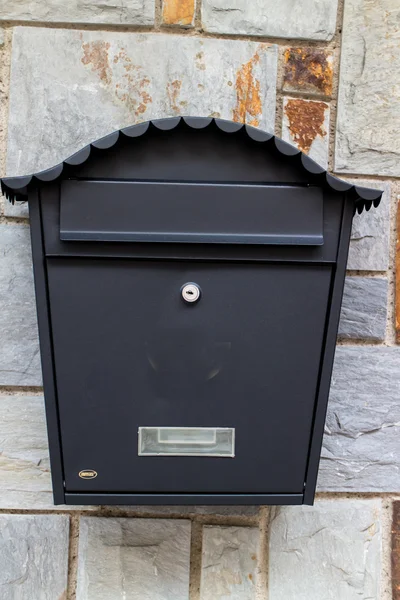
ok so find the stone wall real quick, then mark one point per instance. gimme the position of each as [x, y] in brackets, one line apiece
[74, 71]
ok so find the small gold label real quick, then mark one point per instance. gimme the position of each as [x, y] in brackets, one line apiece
[87, 474]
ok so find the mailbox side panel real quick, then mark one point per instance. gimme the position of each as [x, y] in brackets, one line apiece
[46, 346]
[328, 354]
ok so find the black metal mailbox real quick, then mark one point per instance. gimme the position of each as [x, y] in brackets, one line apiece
[189, 276]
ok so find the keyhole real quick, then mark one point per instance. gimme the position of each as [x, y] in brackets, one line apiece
[190, 292]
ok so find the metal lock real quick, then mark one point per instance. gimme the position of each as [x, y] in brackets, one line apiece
[190, 292]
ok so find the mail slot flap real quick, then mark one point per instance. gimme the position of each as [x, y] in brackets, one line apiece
[122, 211]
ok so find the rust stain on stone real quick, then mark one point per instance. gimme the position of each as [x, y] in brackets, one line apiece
[131, 89]
[306, 121]
[308, 69]
[96, 54]
[398, 300]
[173, 91]
[132, 84]
[248, 107]
[396, 551]
[178, 12]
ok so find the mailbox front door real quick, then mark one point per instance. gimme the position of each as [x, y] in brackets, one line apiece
[241, 363]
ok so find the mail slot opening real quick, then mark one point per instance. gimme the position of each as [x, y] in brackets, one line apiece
[190, 212]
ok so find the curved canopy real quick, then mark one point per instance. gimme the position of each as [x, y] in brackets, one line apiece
[16, 188]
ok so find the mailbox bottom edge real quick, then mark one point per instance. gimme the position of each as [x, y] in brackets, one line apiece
[183, 499]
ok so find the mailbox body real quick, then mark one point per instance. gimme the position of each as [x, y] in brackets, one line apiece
[113, 244]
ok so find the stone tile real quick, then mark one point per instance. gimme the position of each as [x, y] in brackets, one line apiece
[110, 12]
[112, 80]
[19, 349]
[304, 19]
[396, 551]
[368, 122]
[369, 244]
[18, 209]
[178, 12]
[364, 308]
[361, 450]
[33, 557]
[306, 125]
[24, 458]
[308, 70]
[229, 563]
[329, 551]
[133, 558]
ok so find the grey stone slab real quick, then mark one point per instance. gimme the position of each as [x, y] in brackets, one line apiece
[364, 308]
[112, 80]
[110, 12]
[368, 122]
[133, 558]
[361, 450]
[229, 563]
[329, 551]
[19, 348]
[24, 458]
[304, 19]
[18, 209]
[305, 124]
[33, 557]
[369, 244]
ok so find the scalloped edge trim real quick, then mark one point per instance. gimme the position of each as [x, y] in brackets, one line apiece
[16, 188]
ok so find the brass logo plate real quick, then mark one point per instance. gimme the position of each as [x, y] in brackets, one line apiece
[87, 474]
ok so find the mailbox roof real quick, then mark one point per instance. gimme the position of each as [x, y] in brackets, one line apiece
[16, 188]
